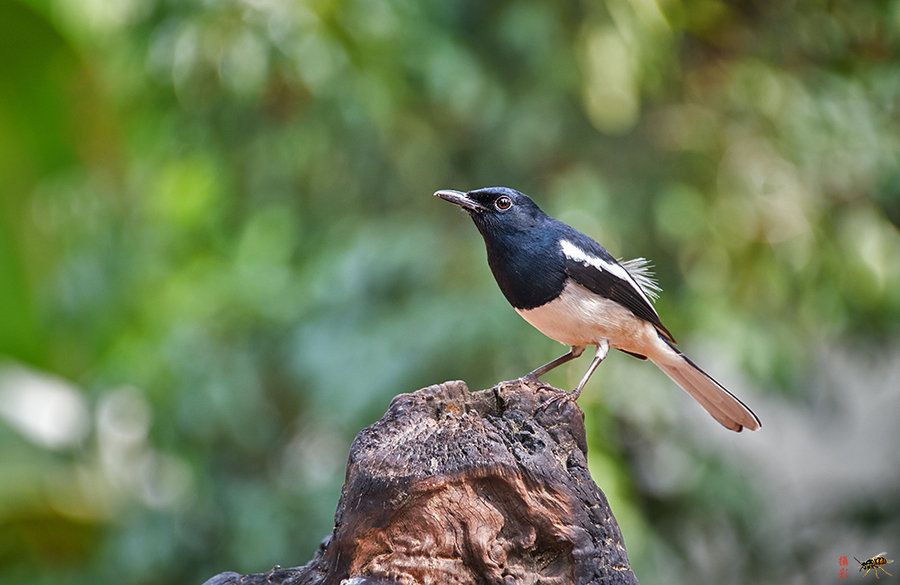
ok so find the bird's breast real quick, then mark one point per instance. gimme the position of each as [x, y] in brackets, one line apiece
[580, 317]
[528, 276]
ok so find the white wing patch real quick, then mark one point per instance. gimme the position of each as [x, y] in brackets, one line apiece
[635, 272]
[641, 271]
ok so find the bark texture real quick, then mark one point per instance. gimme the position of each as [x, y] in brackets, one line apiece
[458, 487]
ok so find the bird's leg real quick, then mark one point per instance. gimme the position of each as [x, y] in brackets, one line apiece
[573, 353]
[599, 356]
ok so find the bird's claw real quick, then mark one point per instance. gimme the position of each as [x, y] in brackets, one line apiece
[560, 396]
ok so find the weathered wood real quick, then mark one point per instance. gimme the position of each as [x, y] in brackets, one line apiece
[458, 487]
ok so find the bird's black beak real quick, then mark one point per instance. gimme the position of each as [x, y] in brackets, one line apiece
[459, 198]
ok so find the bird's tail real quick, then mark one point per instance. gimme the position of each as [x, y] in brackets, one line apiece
[724, 406]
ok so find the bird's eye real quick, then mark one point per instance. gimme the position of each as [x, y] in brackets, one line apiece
[503, 203]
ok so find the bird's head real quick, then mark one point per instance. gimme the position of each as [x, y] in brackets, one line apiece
[497, 210]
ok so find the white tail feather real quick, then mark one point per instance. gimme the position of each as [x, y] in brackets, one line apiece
[724, 406]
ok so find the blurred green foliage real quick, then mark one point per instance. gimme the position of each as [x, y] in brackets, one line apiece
[220, 259]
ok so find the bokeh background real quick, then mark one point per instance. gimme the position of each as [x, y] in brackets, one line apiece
[220, 259]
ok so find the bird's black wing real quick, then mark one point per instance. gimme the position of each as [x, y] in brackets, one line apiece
[590, 265]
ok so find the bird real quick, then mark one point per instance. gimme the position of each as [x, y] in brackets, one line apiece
[571, 289]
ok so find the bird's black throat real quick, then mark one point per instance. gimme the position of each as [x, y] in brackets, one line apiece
[527, 269]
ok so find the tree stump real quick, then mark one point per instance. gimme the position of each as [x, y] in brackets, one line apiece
[458, 487]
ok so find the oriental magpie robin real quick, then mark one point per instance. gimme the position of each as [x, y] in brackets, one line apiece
[572, 290]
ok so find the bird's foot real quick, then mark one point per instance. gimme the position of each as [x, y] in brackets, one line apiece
[560, 396]
[517, 381]
[531, 378]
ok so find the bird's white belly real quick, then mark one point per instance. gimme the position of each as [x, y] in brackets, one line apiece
[581, 317]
